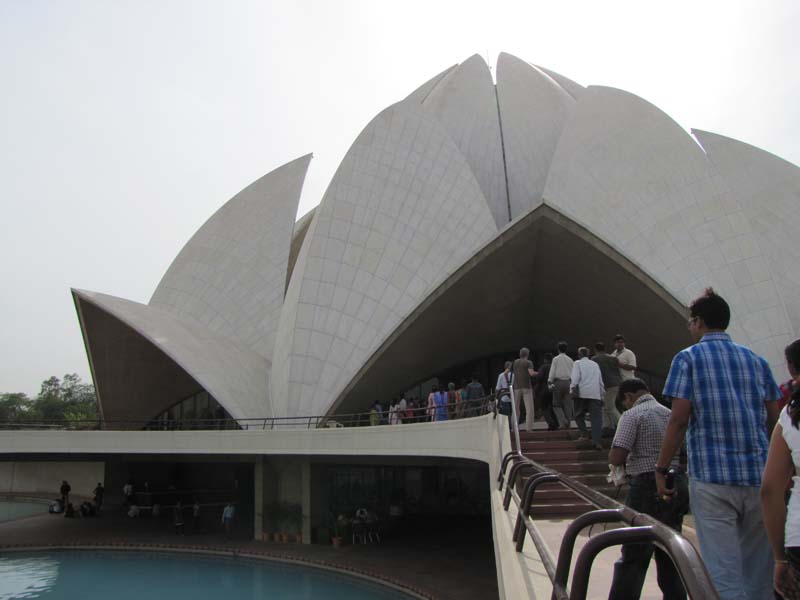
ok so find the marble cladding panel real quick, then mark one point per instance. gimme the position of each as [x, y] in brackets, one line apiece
[388, 241]
[573, 89]
[235, 375]
[534, 110]
[634, 178]
[466, 104]
[768, 189]
[231, 275]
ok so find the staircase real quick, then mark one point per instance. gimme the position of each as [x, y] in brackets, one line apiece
[560, 451]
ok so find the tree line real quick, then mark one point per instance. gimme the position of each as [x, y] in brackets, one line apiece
[66, 399]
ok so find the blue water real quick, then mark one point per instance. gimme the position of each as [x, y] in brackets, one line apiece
[140, 576]
[13, 509]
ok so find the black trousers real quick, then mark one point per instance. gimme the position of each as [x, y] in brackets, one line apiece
[631, 568]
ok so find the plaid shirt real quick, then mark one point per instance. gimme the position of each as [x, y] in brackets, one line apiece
[727, 385]
[640, 431]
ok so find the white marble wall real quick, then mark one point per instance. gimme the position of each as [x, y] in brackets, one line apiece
[402, 212]
[637, 180]
[231, 275]
[534, 110]
[465, 103]
[768, 189]
[235, 375]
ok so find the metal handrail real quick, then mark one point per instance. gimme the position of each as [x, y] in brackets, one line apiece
[641, 528]
[475, 407]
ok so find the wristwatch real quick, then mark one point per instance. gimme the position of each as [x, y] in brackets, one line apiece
[662, 470]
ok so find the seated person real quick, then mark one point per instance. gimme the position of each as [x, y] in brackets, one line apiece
[133, 511]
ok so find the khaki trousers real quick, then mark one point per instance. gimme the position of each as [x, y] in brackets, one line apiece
[526, 394]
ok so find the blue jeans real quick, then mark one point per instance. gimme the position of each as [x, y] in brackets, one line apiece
[631, 569]
[733, 541]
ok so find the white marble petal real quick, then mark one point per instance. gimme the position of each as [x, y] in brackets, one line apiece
[419, 94]
[235, 375]
[768, 189]
[573, 89]
[231, 275]
[402, 212]
[466, 104]
[636, 179]
[534, 110]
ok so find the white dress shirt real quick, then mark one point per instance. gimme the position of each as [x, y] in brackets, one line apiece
[560, 368]
[586, 377]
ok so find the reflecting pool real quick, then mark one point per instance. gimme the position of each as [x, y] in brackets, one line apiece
[150, 576]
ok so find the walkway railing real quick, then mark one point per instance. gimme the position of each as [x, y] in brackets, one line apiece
[453, 410]
[640, 528]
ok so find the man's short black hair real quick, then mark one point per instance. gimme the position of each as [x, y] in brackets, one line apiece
[631, 386]
[548, 356]
[619, 337]
[712, 308]
[600, 347]
[792, 353]
[562, 347]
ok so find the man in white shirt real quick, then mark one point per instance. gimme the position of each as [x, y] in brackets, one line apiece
[587, 381]
[558, 380]
[626, 358]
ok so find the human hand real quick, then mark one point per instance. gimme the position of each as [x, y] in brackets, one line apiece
[781, 577]
[664, 492]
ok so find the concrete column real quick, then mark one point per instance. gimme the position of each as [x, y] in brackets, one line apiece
[258, 503]
[305, 499]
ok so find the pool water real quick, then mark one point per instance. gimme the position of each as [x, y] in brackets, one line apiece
[152, 576]
[14, 509]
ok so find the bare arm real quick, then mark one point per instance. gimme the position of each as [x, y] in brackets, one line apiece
[617, 456]
[773, 487]
[673, 438]
[773, 412]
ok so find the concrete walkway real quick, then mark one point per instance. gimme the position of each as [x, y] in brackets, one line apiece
[442, 561]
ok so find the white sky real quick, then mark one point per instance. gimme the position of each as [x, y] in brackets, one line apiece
[124, 125]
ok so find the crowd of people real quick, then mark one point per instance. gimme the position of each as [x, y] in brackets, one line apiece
[443, 404]
[562, 390]
[742, 434]
[742, 444]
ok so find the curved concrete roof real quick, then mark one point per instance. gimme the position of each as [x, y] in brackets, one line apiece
[573, 89]
[419, 207]
[231, 275]
[534, 110]
[633, 177]
[402, 211]
[466, 104]
[144, 359]
[768, 189]
[419, 94]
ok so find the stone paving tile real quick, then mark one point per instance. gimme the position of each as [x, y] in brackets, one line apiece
[443, 561]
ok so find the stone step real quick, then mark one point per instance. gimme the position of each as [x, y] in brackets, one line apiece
[541, 455]
[535, 445]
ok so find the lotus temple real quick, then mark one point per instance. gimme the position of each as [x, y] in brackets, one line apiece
[485, 211]
[465, 221]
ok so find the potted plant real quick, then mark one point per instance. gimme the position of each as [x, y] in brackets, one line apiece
[339, 527]
[294, 521]
[275, 513]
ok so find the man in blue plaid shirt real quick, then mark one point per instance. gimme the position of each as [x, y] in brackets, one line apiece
[724, 395]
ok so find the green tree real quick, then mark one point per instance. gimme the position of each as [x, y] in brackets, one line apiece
[14, 407]
[67, 399]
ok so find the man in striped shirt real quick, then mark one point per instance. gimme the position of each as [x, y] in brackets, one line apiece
[724, 395]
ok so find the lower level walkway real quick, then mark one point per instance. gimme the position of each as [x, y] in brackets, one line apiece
[451, 560]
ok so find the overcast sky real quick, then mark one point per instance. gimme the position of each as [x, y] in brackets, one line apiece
[125, 124]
